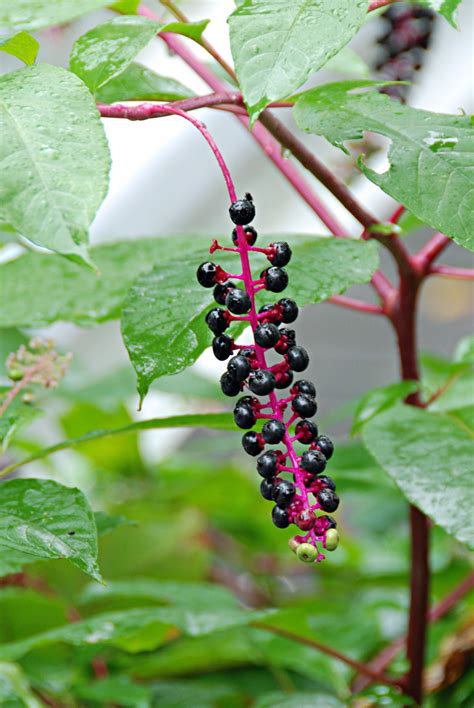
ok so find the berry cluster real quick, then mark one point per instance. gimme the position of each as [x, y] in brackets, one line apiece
[288, 479]
[402, 46]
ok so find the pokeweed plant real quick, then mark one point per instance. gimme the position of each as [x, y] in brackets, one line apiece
[52, 188]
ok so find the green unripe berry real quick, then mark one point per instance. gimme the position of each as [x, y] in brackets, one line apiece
[332, 539]
[15, 374]
[293, 544]
[306, 552]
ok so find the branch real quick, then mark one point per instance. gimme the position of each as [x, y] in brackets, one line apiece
[368, 671]
[431, 250]
[354, 304]
[452, 272]
[386, 656]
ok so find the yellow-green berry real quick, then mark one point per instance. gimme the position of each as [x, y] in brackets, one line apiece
[306, 552]
[293, 544]
[332, 539]
[15, 374]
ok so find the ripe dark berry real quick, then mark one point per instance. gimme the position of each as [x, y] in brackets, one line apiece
[221, 291]
[326, 446]
[284, 379]
[266, 335]
[323, 523]
[267, 464]
[275, 279]
[250, 235]
[304, 405]
[298, 358]
[266, 489]
[272, 314]
[289, 309]
[305, 520]
[239, 367]
[313, 461]
[261, 382]
[252, 443]
[290, 334]
[216, 320]
[222, 347]
[244, 416]
[304, 386]
[242, 211]
[327, 482]
[281, 254]
[237, 301]
[306, 430]
[327, 499]
[229, 386]
[206, 274]
[273, 431]
[280, 517]
[283, 492]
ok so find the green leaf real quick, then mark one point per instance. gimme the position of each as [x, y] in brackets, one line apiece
[298, 700]
[429, 456]
[138, 83]
[106, 50]
[14, 687]
[378, 400]
[47, 520]
[465, 351]
[22, 46]
[447, 8]
[126, 7]
[431, 154]
[451, 381]
[409, 223]
[163, 338]
[17, 416]
[277, 45]
[105, 523]
[347, 61]
[34, 14]
[51, 188]
[118, 690]
[217, 421]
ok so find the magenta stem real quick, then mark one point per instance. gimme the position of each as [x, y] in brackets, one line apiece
[452, 272]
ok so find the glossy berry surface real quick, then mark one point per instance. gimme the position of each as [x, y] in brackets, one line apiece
[284, 379]
[306, 552]
[283, 492]
[326, 481]
[222, 347]
[221, 291]
[313, 461]
[280, 255]
[332, 539]
[237, 301]
[273, 432]
[252, 443]
[289, 310]
[229, 386]
[304, 386]
[244, 416]
[275, 279]
[250, 235]
[242, 211]
[266, 335]
[305, 520]
[266, 489]
[298, 358]
[280, 517]
[304, 405]
[326, 446]
[328, 500]
[306, 430]
[267, 464]
[217, 321]
[239, 367]
[261, 382]
[206, 274]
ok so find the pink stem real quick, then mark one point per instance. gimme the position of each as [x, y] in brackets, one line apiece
[431, 250]
[452, 272]
[354, 304]
[379, 3]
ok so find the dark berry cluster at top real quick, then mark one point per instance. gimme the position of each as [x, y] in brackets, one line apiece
[408, 30]
[295, 482]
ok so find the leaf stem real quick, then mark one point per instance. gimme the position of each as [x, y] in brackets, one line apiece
[452, 272]
[354, 304]
[431, 250]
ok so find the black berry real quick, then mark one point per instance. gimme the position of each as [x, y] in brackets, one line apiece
[266, 489]
[275, 279]
[306, 430]
[281, 254]
[326, 446]
[244, 416]
[229, 386]
[261, 382]
[242, 211]
[298, 358]
[289, 310]
[206, 274]
[216, 320]
[284, 379]
[304, 405]
[327, 499]
[237, 301]
[313, 461]
[252, 443]
[280, 517]
[222, 347]
[328, 482]
[221, 291]
[273, 431]
[273, 316]
[304, 386]
[283, 492]
[239, 367]
[267, 464]
[250, 235]
[266, 335]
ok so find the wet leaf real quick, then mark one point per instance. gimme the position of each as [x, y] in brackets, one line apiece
[34, 14]
[378, 400]
[14, 687]
[138, 83]
[22, 46]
